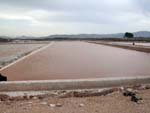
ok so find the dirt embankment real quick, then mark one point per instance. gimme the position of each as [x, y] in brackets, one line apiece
[130, 47]
[115, 100]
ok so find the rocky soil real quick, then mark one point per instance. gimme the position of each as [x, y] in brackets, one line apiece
[114, 100]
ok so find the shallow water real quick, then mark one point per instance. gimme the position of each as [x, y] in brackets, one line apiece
[75, 60]
[11, 52]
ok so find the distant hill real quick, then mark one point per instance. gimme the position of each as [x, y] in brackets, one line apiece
[119, 35]
[145, 34]
[141, 34]
[5, 39]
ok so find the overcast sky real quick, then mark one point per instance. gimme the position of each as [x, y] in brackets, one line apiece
[46, 17]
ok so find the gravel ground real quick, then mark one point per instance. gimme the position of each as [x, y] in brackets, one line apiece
[114, 102]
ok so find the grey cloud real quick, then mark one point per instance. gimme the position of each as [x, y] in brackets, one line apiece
[62, 5]
[144, 4]
[105, 13]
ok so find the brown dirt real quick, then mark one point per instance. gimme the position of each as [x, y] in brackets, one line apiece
[130, 47]
[111, 103]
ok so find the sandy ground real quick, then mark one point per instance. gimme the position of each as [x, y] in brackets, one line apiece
[76, 60]
[114, 102]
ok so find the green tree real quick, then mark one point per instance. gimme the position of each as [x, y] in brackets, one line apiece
[128, 35]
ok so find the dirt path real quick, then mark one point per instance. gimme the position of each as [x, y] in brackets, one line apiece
[142, 47]
[75, 60]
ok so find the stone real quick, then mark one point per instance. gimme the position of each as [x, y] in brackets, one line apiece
[58, 105]
[135, 98]
[4, 97]
[129, 92]
[133, 94]
[30, 102]
[3, 78]
[52, 105]
[43, 103]
[35, 98]
[25, 96]
[143, 87]
[122, 88]
[81, 105]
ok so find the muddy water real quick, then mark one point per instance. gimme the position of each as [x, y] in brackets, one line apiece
[75, 60]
